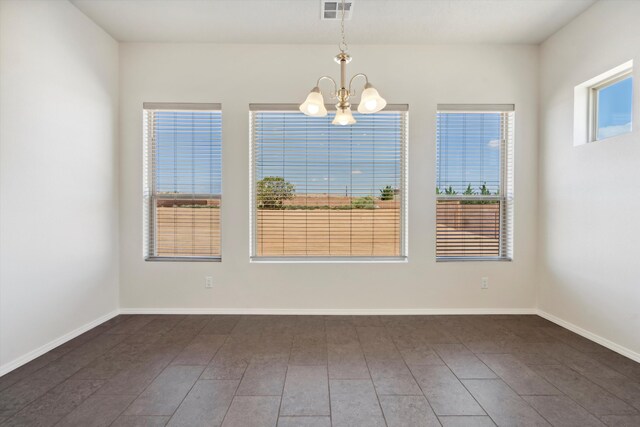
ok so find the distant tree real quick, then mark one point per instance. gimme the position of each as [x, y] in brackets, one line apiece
[484, 191]
[272, 191]
[438, 191]
[450, 191]
[469, 191]
[387, 193]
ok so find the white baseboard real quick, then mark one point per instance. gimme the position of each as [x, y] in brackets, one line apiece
[16, 363]
[591, 336]
[331, 311]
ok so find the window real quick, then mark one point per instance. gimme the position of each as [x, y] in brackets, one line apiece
[474, 182]
[603, 105]
[182, 188]
[327, 192]
[611, 107]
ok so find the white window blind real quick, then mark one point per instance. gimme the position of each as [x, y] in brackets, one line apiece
[474, 184]
[182, 189]
[324, 191]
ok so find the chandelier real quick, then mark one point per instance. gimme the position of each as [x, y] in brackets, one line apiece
[370, 100]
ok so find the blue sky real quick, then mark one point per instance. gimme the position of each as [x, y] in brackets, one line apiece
[318, 157]
[614, 108]
[188, 155]
[357, 160]
[468, 151]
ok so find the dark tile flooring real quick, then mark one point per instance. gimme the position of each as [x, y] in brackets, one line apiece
[318, 371]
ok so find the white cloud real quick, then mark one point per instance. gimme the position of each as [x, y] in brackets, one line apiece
[494, 143]
[610, 131]
[356, 172]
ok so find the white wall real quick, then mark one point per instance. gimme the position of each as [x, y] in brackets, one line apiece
[589, 195]
[58, 174]
[237, 75]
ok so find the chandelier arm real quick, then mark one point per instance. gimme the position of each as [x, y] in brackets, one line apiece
[366, 79]
[335, 85]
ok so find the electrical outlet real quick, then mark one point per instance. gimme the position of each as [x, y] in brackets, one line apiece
[208, 282]
[484, 283]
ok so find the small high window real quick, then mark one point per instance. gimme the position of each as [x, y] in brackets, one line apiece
[611, 103]
[603, 105]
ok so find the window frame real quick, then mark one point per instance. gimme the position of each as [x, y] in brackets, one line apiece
[594, 112]
[150, 195]
[404, 183]
[507, 178]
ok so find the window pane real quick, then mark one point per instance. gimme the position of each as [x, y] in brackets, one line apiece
[614, 109]
[326, 190]
[187, 152]
[468, 228]
[469, 152]
[187, 228]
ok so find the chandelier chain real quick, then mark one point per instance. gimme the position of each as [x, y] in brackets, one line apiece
[343, 44]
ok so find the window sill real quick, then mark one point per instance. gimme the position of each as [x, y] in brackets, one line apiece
[329, 260]
[609, 138]
[183, 259]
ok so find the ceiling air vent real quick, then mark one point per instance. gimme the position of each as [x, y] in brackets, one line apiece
[332, 10]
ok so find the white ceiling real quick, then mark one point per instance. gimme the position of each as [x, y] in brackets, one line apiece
[298, 21]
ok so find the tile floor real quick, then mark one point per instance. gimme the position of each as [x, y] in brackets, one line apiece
[318, 371]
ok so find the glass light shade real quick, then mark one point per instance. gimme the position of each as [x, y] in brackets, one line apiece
[314, 104]
[370, 101]
[343, 117]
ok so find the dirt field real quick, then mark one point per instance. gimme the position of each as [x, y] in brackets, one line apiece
[190, 231]
[471, 230]
[458, 242]
[335, 201]
[356, 232]
[187, 231]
